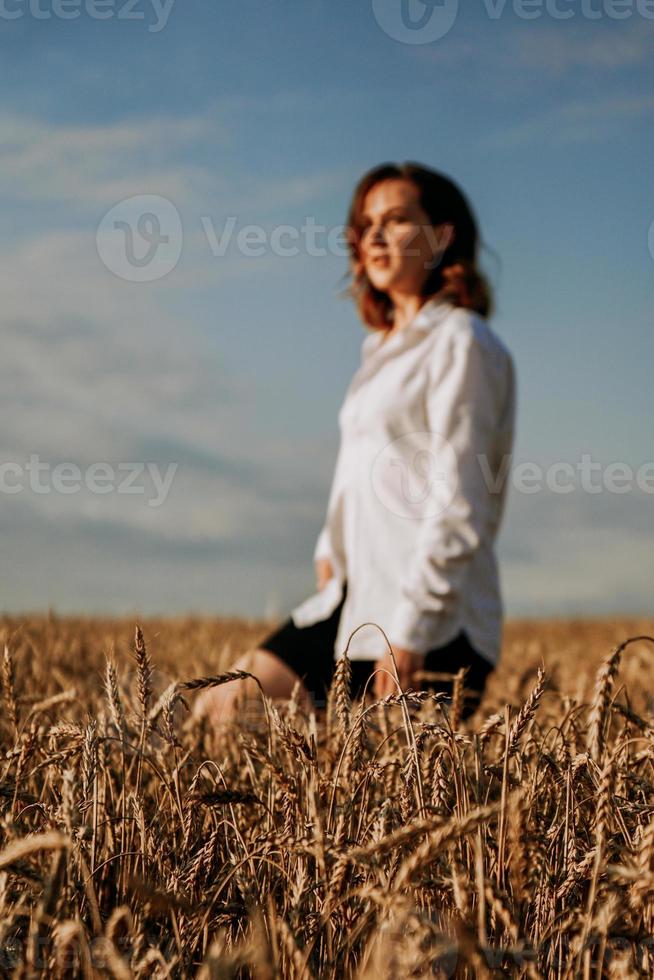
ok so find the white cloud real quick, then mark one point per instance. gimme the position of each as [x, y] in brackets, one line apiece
[569, 47]
[87, 165]
[92, 166]
[576, 121]
[577, 554]
[543, 47]
[98, 370]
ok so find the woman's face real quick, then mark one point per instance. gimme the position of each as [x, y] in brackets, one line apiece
[398, 244]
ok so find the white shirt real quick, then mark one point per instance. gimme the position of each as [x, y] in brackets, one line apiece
[419, 489]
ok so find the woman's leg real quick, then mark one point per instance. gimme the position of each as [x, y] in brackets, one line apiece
[287, 655]
[219, 704]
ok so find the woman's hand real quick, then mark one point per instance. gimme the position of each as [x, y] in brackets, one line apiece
[407, 662]
[324, 572]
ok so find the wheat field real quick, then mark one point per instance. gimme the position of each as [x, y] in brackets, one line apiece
[370, 840]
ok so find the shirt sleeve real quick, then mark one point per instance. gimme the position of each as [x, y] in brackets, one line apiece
[330, 540]
[470, 404]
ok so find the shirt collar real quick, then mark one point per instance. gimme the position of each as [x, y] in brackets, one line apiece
[429, 314]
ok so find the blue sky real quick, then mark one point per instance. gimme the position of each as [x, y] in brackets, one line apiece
[234, 366]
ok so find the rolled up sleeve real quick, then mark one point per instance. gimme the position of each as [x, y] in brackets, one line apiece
[469, 402]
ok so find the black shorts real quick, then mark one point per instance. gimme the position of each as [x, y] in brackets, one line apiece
[309, 651]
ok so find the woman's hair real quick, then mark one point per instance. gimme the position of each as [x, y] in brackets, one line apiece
[456, 277]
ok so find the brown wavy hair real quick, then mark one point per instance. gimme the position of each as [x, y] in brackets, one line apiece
[456, 278]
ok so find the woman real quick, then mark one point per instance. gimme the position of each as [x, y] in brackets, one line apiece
[419, 486]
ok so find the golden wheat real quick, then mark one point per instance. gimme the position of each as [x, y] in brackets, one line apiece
[370, 840]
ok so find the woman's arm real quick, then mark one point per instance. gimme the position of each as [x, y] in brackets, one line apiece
[471, 404]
